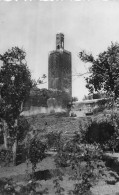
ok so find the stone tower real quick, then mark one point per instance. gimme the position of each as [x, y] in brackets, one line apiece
[60, 67]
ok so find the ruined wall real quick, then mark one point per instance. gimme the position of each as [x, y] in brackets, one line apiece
[39, 97]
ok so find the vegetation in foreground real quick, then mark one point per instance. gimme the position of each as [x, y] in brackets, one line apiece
[84, 160]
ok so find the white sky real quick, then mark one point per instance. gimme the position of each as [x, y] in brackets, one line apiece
[89, 25]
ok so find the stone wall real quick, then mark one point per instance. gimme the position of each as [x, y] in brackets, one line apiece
[39, 97]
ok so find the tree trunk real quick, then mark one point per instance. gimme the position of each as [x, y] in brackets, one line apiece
[14, 150]
[33, 171]
[5, 141]
[14, 147]
[5, 135]
[21, 107]
[113, 110]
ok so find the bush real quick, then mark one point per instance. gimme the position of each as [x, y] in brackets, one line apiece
[85, 162]
[5, 156]
[35, 152]
[99, 132]
[9, 187]
[53, 139]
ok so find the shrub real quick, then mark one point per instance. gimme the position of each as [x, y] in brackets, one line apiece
[85, 161]
[99, 132]
[31, 188]
[36, 152]
[105, 132]
[9, 187]
[54, 139]
[5, 156]
[113, 142]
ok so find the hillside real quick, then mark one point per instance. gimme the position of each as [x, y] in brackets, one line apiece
[55, 122]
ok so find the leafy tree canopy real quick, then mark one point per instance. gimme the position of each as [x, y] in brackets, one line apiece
[15, 80]
[104, 72]
[74, 99]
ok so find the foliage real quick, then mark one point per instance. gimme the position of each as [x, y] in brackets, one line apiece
[104, 72]
[15, 79]
[5, 156]
[35, 152]
[31, 188]
[54, 140]
[113, 142]
[104, 131]
[95, 95]
[74, 99]
[23, 129]
[85, 161]
[39, 81]
[88, 97]
[9, 187]
[102, 104]
[99, 132]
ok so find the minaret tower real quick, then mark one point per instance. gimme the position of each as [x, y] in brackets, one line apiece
[59, 41]
[60, 67]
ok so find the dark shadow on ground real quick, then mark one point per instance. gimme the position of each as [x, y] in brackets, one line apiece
[43, 175]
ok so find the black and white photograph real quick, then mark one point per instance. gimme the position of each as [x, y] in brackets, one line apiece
[59, 97]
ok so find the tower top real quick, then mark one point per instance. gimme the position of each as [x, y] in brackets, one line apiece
[60, 41]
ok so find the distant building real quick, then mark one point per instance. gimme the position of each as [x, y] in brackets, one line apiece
[86, 107]
[60, 67]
